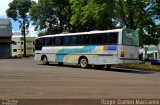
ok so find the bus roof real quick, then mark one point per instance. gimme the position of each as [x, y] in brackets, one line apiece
[80, 33]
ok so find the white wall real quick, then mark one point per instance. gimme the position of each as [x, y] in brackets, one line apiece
[17, 48]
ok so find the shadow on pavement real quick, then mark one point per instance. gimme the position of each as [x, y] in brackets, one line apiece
[131, 71]
[113, 69]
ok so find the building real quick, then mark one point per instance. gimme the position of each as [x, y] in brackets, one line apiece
[152, 52]
[18, 45]
[5, 38]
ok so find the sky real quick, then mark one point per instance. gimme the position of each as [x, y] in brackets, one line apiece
[3, 7]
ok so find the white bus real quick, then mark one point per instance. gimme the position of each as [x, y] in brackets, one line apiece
[98, 48]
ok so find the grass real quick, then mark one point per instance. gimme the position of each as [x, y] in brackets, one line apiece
[139, 66]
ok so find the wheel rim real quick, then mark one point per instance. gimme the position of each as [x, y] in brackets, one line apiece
[84, 63]
[44, 60]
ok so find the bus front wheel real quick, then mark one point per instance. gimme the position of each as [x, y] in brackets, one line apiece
[45, 60]
[83, 62]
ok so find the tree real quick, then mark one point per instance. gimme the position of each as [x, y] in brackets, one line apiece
[92, 14]
[52, 15]
[18, 10]
[149, 34]
[156, 10]
[63, 13]
[137, 14]
[86, 15]
[144, 37]
[129, 13]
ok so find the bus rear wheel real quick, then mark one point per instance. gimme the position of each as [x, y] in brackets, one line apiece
[45, 60]
[83, 62]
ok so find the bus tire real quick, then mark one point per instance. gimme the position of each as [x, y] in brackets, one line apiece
[83, 62]
[45, 60]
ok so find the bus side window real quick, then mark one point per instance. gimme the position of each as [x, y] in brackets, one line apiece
[66, 40]
[58, 41]
[39, 44]
[73, 40]
[97, 39]
[47, 42]
[86, 39]
[110, 38]
[79, 40]
[83, 40]
[53, 41]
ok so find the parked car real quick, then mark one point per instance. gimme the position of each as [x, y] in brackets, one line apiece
[155, 62]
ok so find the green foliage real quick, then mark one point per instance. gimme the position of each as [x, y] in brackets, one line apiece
[144, 32]
[43, 13]
[92, 14]
[156, 10]
[18, 9]
[50, 14]
[138, 14]
[84, 15]
[130, 13]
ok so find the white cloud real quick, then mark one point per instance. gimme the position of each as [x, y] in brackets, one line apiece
[32, 32]
[4, 6]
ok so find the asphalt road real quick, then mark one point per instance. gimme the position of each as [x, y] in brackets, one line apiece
[28, 79]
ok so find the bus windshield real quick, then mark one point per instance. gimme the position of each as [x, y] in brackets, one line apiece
[130, 37]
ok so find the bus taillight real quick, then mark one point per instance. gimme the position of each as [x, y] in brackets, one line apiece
[122, 53]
